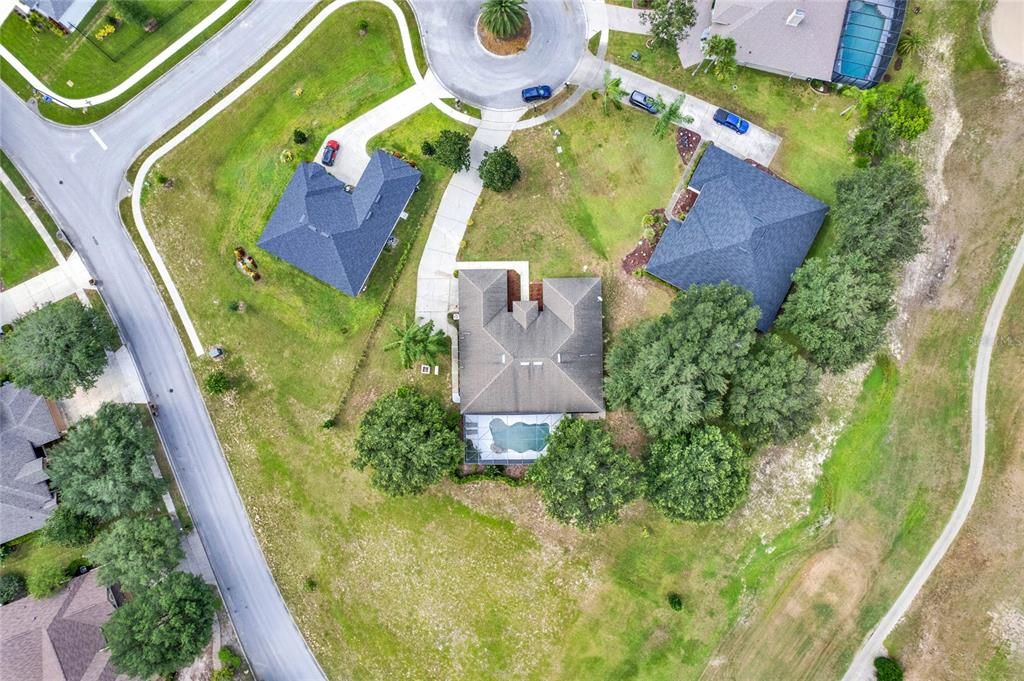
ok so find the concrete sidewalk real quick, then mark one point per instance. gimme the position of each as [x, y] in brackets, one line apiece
[70, 278]
[51, 245]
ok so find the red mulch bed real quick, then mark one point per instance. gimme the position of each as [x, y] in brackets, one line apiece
[687, 143]
[638, 257]
[685, 203]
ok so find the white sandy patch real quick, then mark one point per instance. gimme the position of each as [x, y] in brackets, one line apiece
[1008, 30]
[1007, 628]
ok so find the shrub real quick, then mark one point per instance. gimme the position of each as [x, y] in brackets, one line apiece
[222, 674]
[68, 528]
[217, 383]
[364, 26]
[888, 669]
[329, 423]
[46, 579]
[299, 137]
[311, 584]
[500, 169]
[12, 587]
[229, 658]
[452, 150]
[675, 601]
[427, 148]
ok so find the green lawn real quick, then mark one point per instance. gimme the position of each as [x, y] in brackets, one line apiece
[22, 253]
[34, 551]
[26, 191]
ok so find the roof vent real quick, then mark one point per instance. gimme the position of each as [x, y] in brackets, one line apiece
[795, 17]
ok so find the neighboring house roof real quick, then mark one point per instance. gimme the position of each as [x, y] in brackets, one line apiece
[25, 498]
[765, 38]
[747, 227]
[530, 360]
[335, 235]
[65, 12]
[58, 638]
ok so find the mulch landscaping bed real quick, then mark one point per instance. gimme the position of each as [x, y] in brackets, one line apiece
[687, 143]
[685, 203]
[638, 257]
[504, 46]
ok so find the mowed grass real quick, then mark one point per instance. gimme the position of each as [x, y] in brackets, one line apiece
[57, 59]
[22, 252]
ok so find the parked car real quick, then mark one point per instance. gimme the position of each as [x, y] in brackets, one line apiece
[537, 92]
[642, 101]
[330, 152]
[732, 121]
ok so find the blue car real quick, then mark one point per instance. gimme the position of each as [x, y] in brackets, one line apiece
[642, 101]
[732, 121]
[536, 93]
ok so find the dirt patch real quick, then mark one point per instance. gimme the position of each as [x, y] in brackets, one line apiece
[504, 47]
[627, 431]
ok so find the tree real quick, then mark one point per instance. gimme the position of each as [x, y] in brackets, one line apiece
[163, 628]
[102, 468]
[888, 669]
[774, 393]
[217, 383]
[452, 150]
[838, 310]
[12, 587]
[669, 115]
[701, 476]
[583, 478]
[891, 114]
[670, 21]
[299, 137]
[409, 441]
[58, 348]
[500, 169]
[417, 342]
[910, 43]
[879, 213]
[67, 527]
[137, 551]
[722, 51]
[503, 18]
[673, 372]
[612, 92]
[46, 578]
[427, 148]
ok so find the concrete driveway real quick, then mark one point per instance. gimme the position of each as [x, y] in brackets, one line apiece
[486, 80]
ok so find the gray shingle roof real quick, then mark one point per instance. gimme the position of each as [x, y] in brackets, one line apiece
[67, 12]
[334, 235]
[747, 228]
[529, 361]
[25, 498]
[58, 638]
[765, 41]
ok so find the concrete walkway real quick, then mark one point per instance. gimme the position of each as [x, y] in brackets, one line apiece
[132, 80]
[437, 266]
[862, 667]
[70, 278]
[626, 19]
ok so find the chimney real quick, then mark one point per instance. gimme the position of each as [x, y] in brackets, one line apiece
[795, 17]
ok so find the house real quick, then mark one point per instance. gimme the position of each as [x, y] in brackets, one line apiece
[747, 227]
[336, 233]
[68, 14]
[828, 40]
[58, 638]
[26, 425]
[523, 364]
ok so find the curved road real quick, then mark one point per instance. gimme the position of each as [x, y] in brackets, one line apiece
[862, 667]
[78, 173]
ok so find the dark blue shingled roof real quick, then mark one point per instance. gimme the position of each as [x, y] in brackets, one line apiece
[747, 227]
[334, 235]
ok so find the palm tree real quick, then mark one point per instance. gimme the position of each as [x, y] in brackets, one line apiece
[669, 115]
[417, 342]
[909, 43]
[503, 18]
[613, 91]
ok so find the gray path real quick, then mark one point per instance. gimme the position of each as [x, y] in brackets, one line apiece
[862, 667]
[80, 183]
[474, 75]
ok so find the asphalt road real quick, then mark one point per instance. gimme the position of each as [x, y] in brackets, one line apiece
[479, 77]
[79, 175]
[862, 667]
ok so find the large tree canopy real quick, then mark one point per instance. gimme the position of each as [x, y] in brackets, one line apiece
[583, 477]
[102, 468]
[838, 310]
[701, 476]
[408, 440]
[163, 628]
[879, 213]
[500, 169]
[774, 393]
[67, 527]
[670, 20]
[674, 371]
[136, 551]
[58, 348]
[451, 149]
[891, 114]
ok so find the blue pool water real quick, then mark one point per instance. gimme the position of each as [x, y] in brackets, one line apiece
[520, 437]
[861, 39]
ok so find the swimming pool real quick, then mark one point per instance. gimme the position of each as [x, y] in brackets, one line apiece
[520, 437]
[860, 40]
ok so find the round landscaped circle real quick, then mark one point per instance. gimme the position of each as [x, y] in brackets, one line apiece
[504, 47]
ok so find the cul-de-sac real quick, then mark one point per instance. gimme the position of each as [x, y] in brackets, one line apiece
[511, 340]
